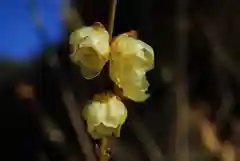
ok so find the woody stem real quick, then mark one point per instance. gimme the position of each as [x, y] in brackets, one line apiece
[112, 17]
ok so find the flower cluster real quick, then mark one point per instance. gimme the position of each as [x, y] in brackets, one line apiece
[129, 57]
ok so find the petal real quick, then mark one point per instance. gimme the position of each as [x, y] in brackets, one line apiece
[88, 61]
[115, 113]
[104, 117]
[133, 82]
[130, 60]
[134, 51]
[136, 95]
[135, 78]
[94, 113]
[117, 131]
[104, 130]
[146, 56]
[90, 49]
[115, 72]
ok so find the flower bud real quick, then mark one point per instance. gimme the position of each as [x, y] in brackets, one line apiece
[105, 116]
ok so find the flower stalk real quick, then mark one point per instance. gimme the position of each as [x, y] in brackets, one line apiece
[104, 142]
[104, 149]
[112, 18]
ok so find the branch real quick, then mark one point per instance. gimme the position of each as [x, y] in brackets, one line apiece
[74, 113]
[181, 152]
[153, 151]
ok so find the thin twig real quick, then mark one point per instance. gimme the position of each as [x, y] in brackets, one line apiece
[112, 18]
[227, 98]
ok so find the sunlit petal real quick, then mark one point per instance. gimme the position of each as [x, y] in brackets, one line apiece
[129, 62]
[105, 116]
[90, 49]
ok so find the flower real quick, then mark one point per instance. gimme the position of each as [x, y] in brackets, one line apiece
[105, 116]
[130, 59]
[90, 49]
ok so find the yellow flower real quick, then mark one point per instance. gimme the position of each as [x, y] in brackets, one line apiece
[130, 59]
[90, 49]
[105, 116]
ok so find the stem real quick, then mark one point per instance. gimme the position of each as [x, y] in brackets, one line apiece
[104, 141]
[112, 18]
[103, 149]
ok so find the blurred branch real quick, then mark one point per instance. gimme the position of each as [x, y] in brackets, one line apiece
[118, 148]
[220, 54]
[142, 133]
[224, 150]
[78, 124]
[71, 15]
[53, 140]
[209, 136]
[221, 60]
[181, 152]
[74, 113]
[223, 113]
[74, 21]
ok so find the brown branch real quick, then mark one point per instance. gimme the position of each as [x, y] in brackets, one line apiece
[223, 150]
[74, 113]
[181, 151]
[78, 125]
[153, 151]
[112, 18]
[221, 60]
[227, 98]
[220, 53]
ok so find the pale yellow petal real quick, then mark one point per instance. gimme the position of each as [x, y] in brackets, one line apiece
[132, 81]
[135, 93]
[130, 60]
[104, 115]
[136, 96]
[134, 51]
[115, 113]
[94, 113]
[117, 131]
[90, 50]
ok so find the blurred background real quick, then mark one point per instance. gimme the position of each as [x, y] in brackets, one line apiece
[193, 111]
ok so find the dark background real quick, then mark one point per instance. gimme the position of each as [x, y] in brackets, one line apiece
[213, 26]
